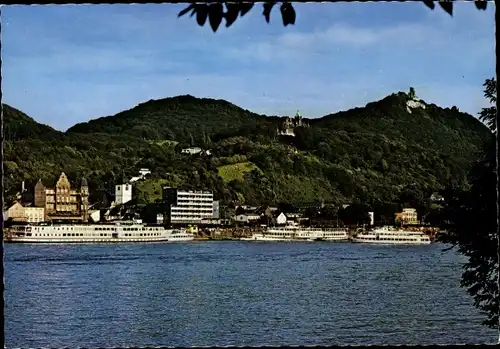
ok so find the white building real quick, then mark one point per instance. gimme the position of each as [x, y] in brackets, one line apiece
[123, 193]
[281, 219]
[159, 219]
[192, 150]
[142, 174]
[188, 206]
[144, 171]
[246, 218]
[34, 214]
[95, 215]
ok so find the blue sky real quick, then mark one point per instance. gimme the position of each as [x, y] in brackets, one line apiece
[68, 64]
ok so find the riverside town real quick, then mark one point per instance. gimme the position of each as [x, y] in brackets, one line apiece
[332, 202]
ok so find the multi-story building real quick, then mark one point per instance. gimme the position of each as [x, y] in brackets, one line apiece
[62, 202]
[408, 216]
[34, 214]
[123, 193]
[188, 207]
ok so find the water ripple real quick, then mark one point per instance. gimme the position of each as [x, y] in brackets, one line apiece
[219, 294]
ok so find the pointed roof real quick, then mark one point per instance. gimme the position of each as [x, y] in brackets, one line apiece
[84, 182]
[39, 184]
[63, 181]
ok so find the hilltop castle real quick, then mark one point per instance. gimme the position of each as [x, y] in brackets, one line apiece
[288, 126]
[62, 202]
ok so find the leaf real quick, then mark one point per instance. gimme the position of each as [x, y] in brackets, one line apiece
[447, 6]
[245, 7]
[232, 13]
[287, 13]
[429, 4]
[201, 13]
[268, 6]
[215, 14]
[481, 4]
[186, 10]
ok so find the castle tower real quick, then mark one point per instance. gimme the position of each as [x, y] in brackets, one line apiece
[84, 193]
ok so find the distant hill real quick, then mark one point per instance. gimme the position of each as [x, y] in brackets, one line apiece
[184, 119]
[18, 125]
[385, 152]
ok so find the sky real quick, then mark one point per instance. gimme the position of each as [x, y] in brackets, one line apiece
[64, 64]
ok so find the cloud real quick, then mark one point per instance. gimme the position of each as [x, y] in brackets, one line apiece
[67, 64]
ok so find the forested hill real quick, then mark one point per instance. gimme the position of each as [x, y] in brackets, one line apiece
[185, 119]
[18, 125]
[384, 152]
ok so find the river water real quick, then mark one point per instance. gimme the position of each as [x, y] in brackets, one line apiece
[236, 293]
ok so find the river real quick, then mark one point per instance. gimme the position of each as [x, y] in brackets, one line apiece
[236, 293]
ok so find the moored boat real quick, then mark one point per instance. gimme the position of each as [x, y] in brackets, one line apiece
[389, 235]
[296, 233]
[94, 233]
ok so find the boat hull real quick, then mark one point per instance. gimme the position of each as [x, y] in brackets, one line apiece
[386, 242]
[81, 240]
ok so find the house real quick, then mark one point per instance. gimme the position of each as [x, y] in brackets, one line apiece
[247, 218]
[294, 216]
[435, 197]
[281, 219]
[143, 172]
[15, 213]
[191, 150]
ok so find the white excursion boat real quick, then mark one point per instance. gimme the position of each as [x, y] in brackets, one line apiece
[80, 233]
[389, 235]
[296, 233]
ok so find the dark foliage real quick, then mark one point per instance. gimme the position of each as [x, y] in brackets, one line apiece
[216, 12]
[471, 216]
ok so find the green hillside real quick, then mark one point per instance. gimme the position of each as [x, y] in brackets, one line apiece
[380, 153]
[236, 171]
[184, 119]
[18, 125]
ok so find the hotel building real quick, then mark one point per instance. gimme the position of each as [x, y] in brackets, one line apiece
[188, 207]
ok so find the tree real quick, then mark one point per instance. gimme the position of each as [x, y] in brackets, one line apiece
[215, 11]
[355, 214]
[472, 214]
[488, 115]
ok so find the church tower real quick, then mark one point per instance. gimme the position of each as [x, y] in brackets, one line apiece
[84, 192]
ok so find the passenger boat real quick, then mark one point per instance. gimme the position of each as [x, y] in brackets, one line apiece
[94, 233]
[296, 233]
[389, 235]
